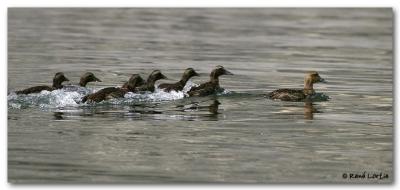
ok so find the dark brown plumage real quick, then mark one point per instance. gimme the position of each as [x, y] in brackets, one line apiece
[151, 80]
[178, 86]
[114, 92]
[212, 86]
[58, 79]
[88, 77]
[298, 94]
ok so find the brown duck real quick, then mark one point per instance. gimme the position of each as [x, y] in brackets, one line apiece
[58, 79]
[178, 86]
[88, 77]
[298, 94]
[151, 80]
[211, 86]
[114, 92]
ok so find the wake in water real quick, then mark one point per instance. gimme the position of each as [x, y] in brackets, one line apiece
[71, 96]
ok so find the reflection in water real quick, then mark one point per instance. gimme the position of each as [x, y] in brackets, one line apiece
[195, 106]
[58, 115]
[297, 110]
[145, 111]
[192, 110]
[309, 110]
[213, 108]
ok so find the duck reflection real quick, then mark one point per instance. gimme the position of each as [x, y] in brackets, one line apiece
[195, 106]
[309, 110]
[200, 110]
[213, 108]
[58, 115]
[300, 110]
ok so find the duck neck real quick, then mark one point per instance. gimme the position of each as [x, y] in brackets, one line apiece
[57, 85]
[214, 78]
[83, 83]
[126, 90]
[150, 82]
[308, 86]
[184, 80]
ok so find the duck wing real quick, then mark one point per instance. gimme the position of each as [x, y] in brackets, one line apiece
[145, 87]
[35, 89]
[99, 95]
[203, 90]
[169, 87]
[166, 87]
[118, 93]
[201, 86]
[287, 95]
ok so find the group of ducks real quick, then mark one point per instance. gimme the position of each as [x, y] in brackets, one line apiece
[136, 84]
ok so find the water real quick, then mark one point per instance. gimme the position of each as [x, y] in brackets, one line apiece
[165, 138]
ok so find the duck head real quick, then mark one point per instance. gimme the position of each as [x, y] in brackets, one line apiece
[134, 81]
[156, 75]
[189, 73]
[58, 79]
[213, 108]
[218, 71]
[88, 77]
[311, 78]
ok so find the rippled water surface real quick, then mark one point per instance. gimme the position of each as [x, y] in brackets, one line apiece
[236, 136]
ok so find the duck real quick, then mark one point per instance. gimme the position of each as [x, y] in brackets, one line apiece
[299, 94]
[212, 86]
[178, 86]
[151, 80]
[84, 80]
[115, 92]
[88, 77]
[58, 79]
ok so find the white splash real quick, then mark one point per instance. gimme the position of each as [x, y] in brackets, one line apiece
[71, 96]
[45, 99]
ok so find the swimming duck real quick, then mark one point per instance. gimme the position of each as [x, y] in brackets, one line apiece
[151, 80]
[212, 86]
[115, 92]
[298, 94]
[178, 86]
[58, 79]
[88, 77]
[85, 78]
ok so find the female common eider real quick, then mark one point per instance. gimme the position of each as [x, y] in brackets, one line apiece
[298, 94]
[212, 86]
[151, 80]
[58, 79]
[114, 92]
[178, 86]
[88, 77]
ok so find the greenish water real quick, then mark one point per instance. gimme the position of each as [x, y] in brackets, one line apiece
[166, 138]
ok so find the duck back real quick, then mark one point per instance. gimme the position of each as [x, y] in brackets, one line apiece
[288, 95]
[204, 89]
[35, 89]
[169, 87]
[100, 95]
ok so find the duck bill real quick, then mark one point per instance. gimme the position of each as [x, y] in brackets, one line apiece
[226, 72]
[163, 76]
[97, 79]
[66, 79]
[196, 74]
[321, 80]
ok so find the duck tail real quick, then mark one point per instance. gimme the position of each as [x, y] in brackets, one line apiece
[84, 99]
[271, 95]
